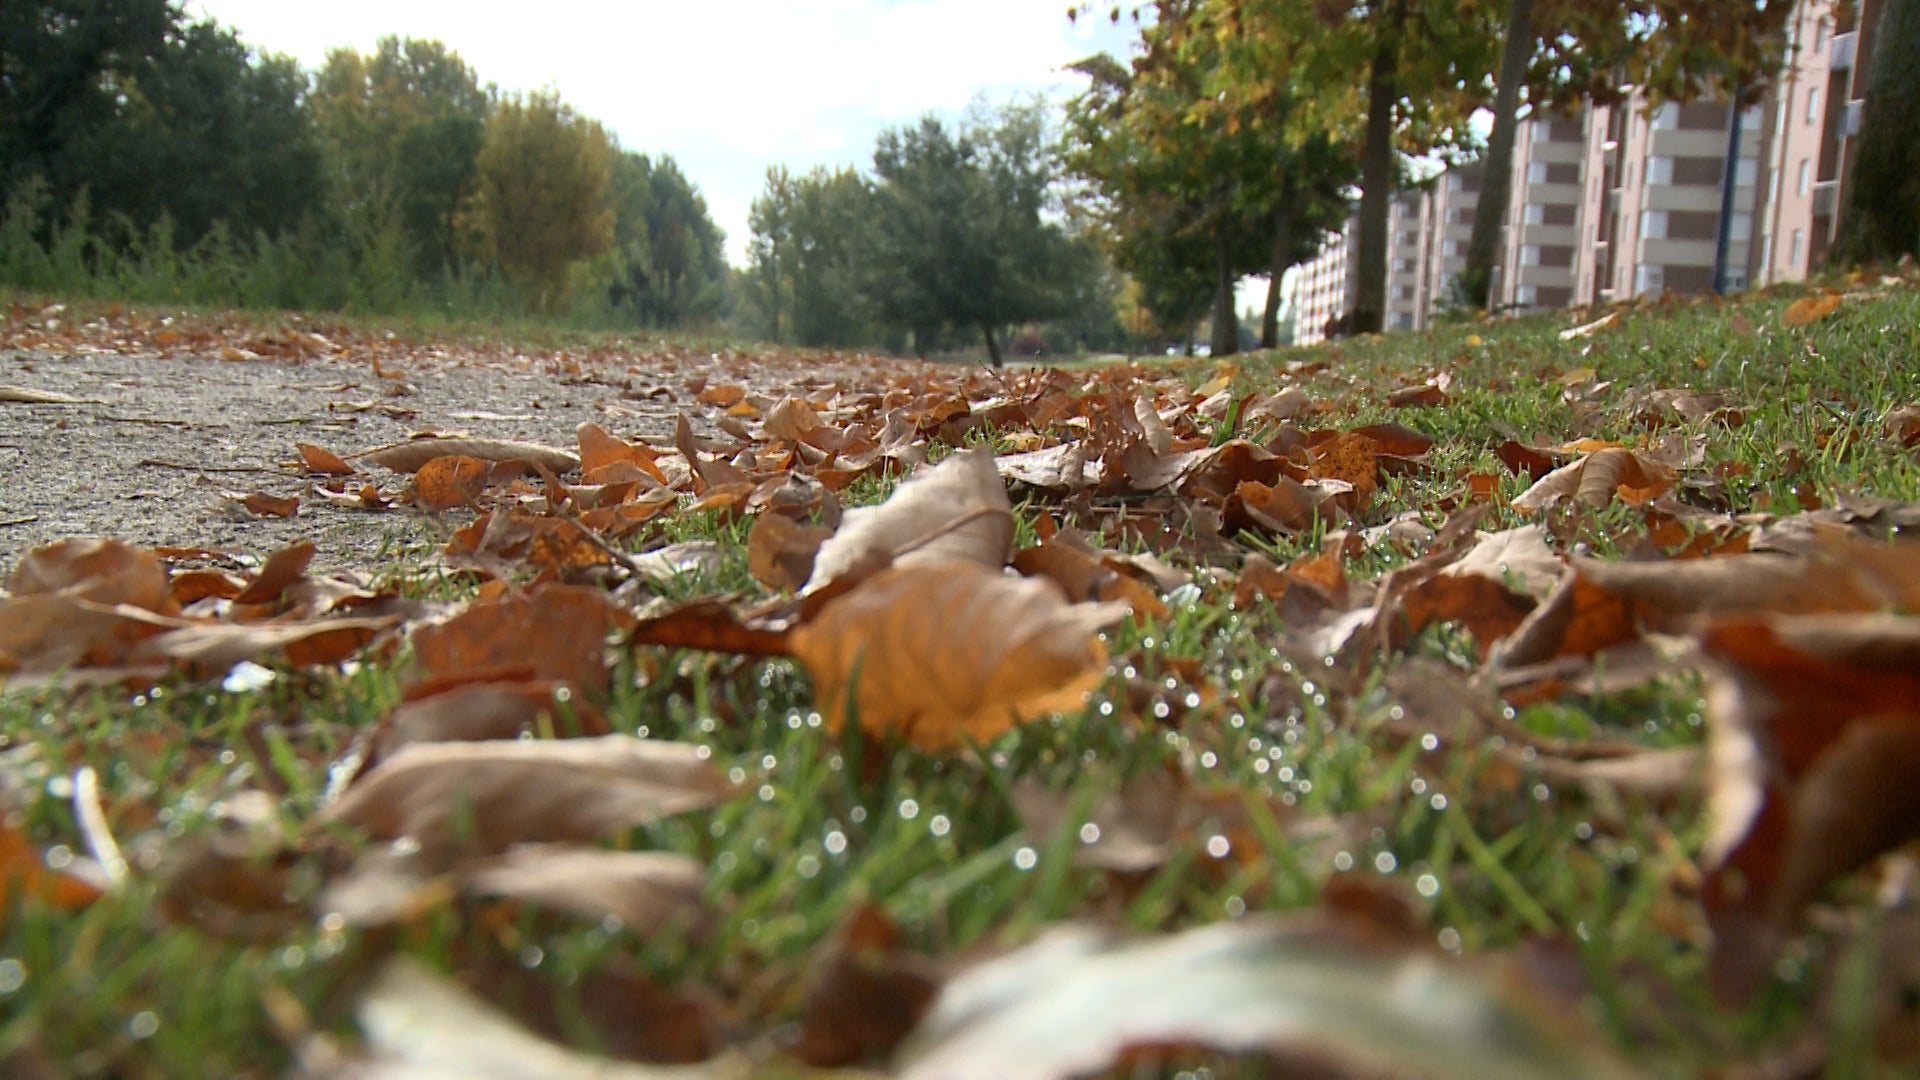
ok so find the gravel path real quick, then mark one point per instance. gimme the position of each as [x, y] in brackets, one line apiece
[157, 440]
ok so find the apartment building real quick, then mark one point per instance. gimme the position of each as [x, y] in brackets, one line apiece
[1812, 119]
[1536, 268]
[1325, 287]
[1621, 201]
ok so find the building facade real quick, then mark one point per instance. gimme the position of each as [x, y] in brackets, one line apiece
[1621, 201]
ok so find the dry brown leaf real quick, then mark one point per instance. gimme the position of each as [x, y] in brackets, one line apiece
[713, 625]
[956, 510]
[1312, 997]
[643, 889]
[490, 796]
[24, 875]
[103, 571]
[780, 551]
[282, 569]
[319, 459]
[409, 456]
[213, 648]
[1056, 468]
[1517, 558]
[1903, 424]
[1083, 576]
[473, 712]
[1815, 741]
[1811, 308]
[1605, 603]
[79, 603]
[1598, 479]
[866, 994]
[601, 453]
[551, 632]
[945, 652]
[452, 481]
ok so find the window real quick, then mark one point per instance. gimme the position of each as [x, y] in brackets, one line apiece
[1534, 214]
[1806, 174]
[1750, 120]
[1793, 253]
[1741, 229]
[1813, 104]
[1530, 255]
[1537, 172]
[1820, 35]
[1649, 279]
[1667, 118]
[1526, 295]
[1450, 247]
[1653, 224]
[1453, 182]
[1744, 173]
[1736, 280]
[1401, 266]
[1659, 170]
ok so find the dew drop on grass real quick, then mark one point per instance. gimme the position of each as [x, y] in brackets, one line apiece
[1161, 710]
[1192, 700]
[1343, 861]
[1208, 759]
[144, 1025]
[835, 842]
[1429, 741]
[1541, 793]
[1106, 708]
[736, 775]
[1418, 786]
[532, 956]
[858, 814]
[769, 762]
[909, 809]
[1583, 830]
[1396, 713]
[1427, 885]
[1219, 846]
[1385, 862]
[726, 861]
[940, 825]
[766, 792]
[13, 975]
[60, 787]
[1438, 802]
[293, 956]
[1261, 766]
[59, 857]
[703, 752]
[807, 867]
[1090, 833]
[1025, 859]
[1449, 939]
[1235, 907]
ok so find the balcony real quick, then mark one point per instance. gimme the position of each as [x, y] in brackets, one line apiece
[1826, 198]
[1841, 54]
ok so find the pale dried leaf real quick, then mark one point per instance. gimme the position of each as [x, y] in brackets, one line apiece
[489, 796]
[408, 456]
[955, 510]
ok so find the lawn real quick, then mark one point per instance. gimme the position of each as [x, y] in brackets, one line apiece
[1348, 710]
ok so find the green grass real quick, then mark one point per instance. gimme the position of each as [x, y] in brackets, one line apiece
[827, 825]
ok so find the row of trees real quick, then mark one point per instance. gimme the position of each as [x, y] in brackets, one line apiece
[398, 169]
[958, 233]
[1240, 121]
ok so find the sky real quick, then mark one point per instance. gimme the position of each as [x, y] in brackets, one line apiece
[727, 87]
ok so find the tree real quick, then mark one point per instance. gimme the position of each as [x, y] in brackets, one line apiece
[681, 278]
[404, 127]
[541, 194]
[961, 236]
[1881, 220]
[155, 119]
[1192, 195]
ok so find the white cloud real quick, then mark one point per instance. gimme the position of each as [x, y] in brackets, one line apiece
[726, 88]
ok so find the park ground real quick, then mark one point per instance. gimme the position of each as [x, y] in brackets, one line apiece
[1519, 697]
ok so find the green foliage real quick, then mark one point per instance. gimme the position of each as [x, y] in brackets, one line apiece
[674, 271]
[809, 235]
[961, 239]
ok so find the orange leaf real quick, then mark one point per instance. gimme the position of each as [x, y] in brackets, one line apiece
[21, 867]
[450, 481]
[945, 652]
[1811, 309]
[319, 459]
[551, 632]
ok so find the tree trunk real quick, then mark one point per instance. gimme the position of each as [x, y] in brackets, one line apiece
[1226, 324]
[1270, 319]
[993, 346]
[1376, 175]
[1881, 220]
[1496, 187]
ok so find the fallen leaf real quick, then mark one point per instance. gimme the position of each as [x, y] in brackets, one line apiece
[601, 451]
[418, 1024]
[1815, 740]
[319, 459]
[477, 711]
[957, 509]
[1311, 996]
[281, 570]
[645, 890]
[944, 652]
[1082, 576]
[550, 632]
[865, 996]
[26, 395]
[1597, 480]
[1591, 328]
[409, 456]
[781, 551]
[713, 625]
[455, 480]
[1811, 308]
[489, 796]
[24, 874]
